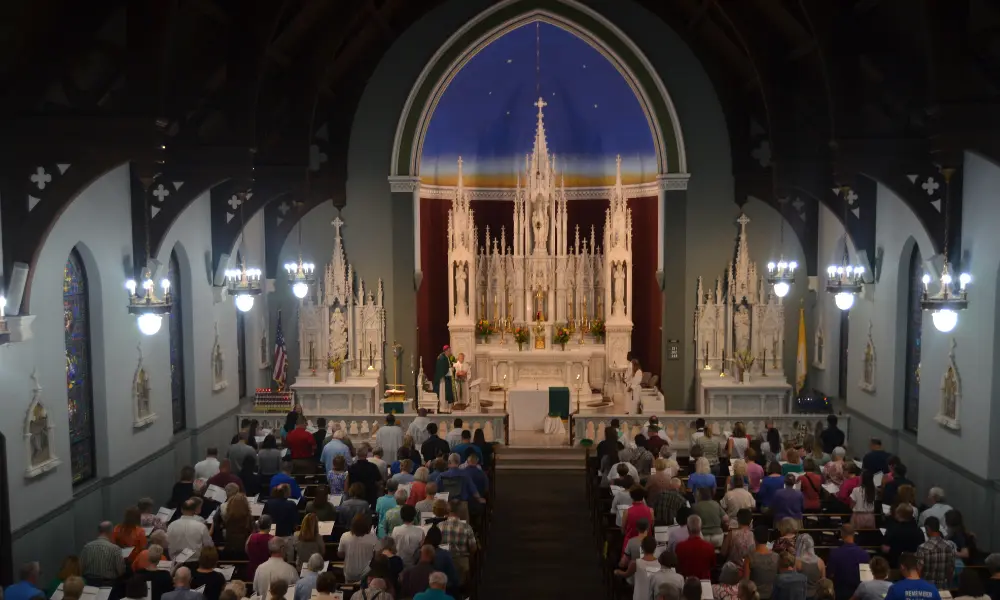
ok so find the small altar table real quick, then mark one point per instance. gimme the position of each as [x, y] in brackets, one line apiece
[766, 396]
[356, 395]
[528, 409]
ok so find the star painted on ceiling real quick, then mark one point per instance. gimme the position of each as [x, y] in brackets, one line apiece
[489, 94]
[508, 113]
[510, 60]
[584, 66]
[595, 106]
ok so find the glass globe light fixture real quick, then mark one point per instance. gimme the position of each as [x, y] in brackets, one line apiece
[945, 304]
[244, 302]
[244, 284]
[301, 275]
[781, 276]
[149, 308]
[844, 281]
[844, 300]
[300, 289]
[149, 323]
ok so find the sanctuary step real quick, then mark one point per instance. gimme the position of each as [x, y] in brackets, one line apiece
[540, 458]
[541, 544]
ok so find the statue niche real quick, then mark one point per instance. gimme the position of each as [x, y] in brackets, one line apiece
[867, 382]
[219, 382]
[951, 393]
[141, 396]
[39, 434]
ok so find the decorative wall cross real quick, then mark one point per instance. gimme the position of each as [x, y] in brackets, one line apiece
[930, 186]
[40, 178]
[161, 193]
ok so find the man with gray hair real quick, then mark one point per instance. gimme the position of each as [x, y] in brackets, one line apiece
[436, 583]
[101, 560]
[456, 481]
[304, 588]
[239, 451]
[182, 587]
[938, 508]
[274, 567]
[335, 447]
[27, 588]
[695, 555]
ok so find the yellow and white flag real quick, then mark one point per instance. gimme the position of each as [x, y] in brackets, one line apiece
[801, 369]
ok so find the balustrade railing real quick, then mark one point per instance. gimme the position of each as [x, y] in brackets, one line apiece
[680, 427]
[362, 427]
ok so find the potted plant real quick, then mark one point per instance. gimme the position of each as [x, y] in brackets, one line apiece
[561, 335]
[597, 329]
[521, 336]
[484, 330]
[744, 360]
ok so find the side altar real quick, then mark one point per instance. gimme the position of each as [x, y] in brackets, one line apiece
[739, 342]
[547, 285]
[341, 341]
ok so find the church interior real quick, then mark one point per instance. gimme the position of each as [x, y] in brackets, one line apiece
[603, 247]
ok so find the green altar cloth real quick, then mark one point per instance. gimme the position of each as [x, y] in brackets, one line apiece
[395, 408]
[559, 401]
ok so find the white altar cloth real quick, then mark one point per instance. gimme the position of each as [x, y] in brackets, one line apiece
[528, 409]
[355, 395]
[581, 365]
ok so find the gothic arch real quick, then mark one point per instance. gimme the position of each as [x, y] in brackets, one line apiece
[508, 15]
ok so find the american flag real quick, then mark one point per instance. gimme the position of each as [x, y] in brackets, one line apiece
[280, 358]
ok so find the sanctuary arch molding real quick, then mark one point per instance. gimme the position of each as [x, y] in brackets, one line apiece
[506, 16]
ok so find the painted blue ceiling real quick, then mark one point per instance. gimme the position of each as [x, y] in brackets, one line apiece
[487, 113]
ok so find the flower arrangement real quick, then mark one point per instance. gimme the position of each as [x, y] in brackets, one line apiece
[597, 328]
[521, 335]
[484, 328]
[744, 359]
[561, 335]
[334, 363]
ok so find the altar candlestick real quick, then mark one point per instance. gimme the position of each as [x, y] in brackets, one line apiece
[763, 363]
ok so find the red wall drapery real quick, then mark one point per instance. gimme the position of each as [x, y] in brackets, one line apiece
[432, 300]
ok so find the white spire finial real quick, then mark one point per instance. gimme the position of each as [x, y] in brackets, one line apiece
[541, 104]
[618, 170]
[459, 171]
[743, 220]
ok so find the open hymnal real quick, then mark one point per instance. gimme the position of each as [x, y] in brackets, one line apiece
[662, 533]
[274, 529]
[200, 590]
[127, 551]
[326, 527]
[441, 496]
[214, 492]
[832, 488]
[865, 572]
[227, 571]
[338, 595]
[706, 590]
[256, 509]
[945, 594]
[89, 593]
[878, 479]
[165, 514]
[426, 516]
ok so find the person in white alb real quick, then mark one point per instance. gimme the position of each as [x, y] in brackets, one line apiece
[635, 389]
[461, 379]
[418, 428]
[653, 420]
[209, 467]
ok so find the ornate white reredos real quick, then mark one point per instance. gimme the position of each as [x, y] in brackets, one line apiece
[340, 322]
[951, 393]
[739, 313]
[142, 404]
[819, 341]
[219, 382]
[868, 363]
[39, 435]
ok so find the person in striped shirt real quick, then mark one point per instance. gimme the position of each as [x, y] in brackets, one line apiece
[101, 559]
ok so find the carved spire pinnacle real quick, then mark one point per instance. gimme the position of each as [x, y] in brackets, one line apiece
[460, 185]
[618, 171]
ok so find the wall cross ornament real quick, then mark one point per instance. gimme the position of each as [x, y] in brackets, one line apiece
[142, 403]
[868, 363]
[219, 382]
[951, 393]
[39, 434]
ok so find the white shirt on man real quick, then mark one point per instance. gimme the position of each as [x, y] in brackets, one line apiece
[454, 437]
[389, 438]
[188, 532]
[408, 539]
[273, 569]
[207, 468]
[418, 430]
[938, 510]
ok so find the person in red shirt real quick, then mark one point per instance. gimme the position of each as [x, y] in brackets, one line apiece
[811, 482]
[225, 476]
[695, 555]
[850, 483]
[302, 446]
[637, 511]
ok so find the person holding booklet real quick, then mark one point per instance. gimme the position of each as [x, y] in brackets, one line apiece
[159, 580]
[182, 587]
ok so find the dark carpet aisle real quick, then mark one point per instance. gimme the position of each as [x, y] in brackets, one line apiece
[541, 543]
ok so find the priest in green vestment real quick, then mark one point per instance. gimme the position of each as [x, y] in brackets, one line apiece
[442, 377]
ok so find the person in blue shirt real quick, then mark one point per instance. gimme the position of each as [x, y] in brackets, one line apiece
[911, 587]
[457, 482]
[702, 477]
[336, 447]
[283, 513]
[285, 478]
[877, 459]
[437, 583]
[27, 588]
[479, 478]
[466, 446]
[770, 484]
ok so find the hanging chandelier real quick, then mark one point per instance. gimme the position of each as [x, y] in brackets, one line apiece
[781, 276]
[301, 275]
[945, 304]
[148, 308]
[243, 284]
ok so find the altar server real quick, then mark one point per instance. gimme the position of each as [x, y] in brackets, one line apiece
[443, 378]
[635, 387]
[461, 379]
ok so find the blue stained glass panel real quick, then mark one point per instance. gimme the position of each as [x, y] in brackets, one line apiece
[79, 390]
[178, 408]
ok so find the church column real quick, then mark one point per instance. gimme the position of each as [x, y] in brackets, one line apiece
[672, 276]
[401, 303]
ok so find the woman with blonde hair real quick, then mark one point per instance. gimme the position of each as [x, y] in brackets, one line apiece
[815, 448]
[748, 590]
[739, 471]
[702, 476]
[788, 528]
[308, 541]
[738, 442]
[238, 524]
[418, 489]
[906, 494]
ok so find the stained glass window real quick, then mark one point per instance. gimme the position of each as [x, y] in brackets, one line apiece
[178, 408]
[79, 389]
[914, 325]
[241, 340]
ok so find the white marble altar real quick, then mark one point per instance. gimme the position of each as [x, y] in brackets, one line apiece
[757, 396]
[549, 277]
[740, 315]
[355, 395]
